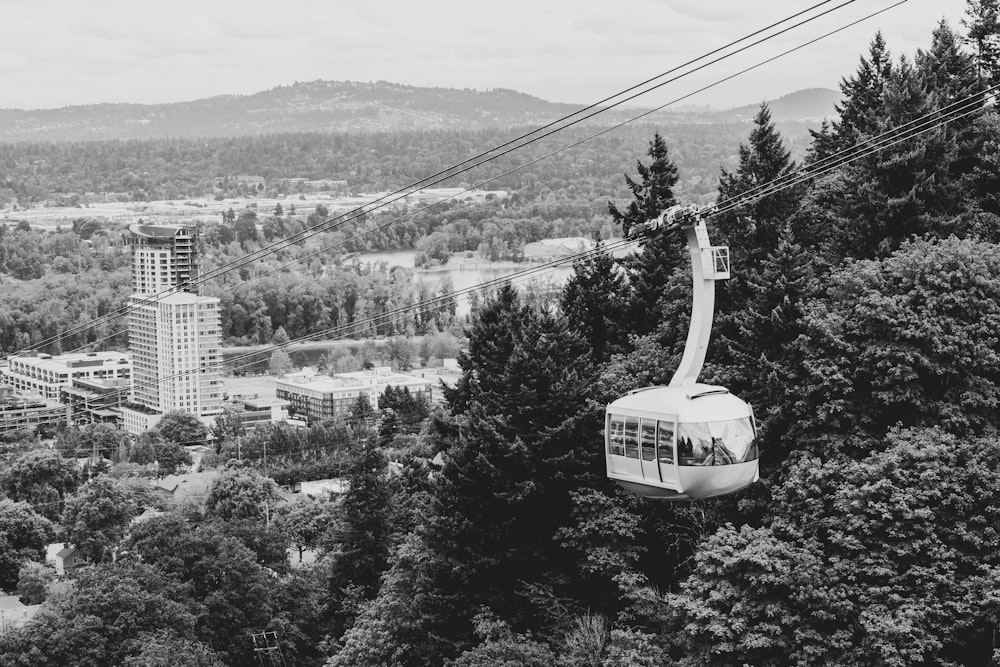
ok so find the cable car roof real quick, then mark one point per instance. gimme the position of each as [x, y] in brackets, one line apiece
[688, 403]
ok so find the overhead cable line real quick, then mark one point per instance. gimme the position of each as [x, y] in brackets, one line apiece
[544, 157]
[435, 303]
[484, 157]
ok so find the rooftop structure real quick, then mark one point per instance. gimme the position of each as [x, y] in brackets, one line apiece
[47, 375]
[163, 257]
[321, 397]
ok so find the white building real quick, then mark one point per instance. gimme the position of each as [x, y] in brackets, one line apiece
[47, 375]
[174, 334]
[321, 397]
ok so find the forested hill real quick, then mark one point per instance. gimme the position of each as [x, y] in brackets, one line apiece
[335, 106]
[317, 106]
[808, 104]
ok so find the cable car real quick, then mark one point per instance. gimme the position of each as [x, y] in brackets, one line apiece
[687, 440]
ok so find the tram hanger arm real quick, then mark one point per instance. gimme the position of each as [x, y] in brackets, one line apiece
[708, 264]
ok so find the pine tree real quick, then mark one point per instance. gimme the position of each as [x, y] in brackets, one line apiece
[863, 96]
[757, 351]
[593, 301]
[649, 270]
[491, 341]
[362, 536]
[983, 24]
[904, 189]
[751, 231]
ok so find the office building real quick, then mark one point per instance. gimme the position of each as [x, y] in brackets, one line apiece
[319, 397]
[47, 375]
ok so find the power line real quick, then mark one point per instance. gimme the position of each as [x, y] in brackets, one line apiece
[511, 171]
[849, 155]
[478, 160]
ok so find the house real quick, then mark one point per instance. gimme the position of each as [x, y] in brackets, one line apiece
[322, 488]
[149, 513]
[192, 486]
[14, 613]
[67, 560]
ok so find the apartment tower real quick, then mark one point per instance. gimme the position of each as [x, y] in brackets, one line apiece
[173, 332]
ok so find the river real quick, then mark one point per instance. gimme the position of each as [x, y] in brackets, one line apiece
[468, 272]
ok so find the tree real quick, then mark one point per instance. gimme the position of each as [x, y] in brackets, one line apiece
[165, 649]
[649, 270]
[229, 591]
[96, 517]
[23, 536]
[143, 450]
[757, 350]
[279, 363]
[182, 428]
[245, 226]
[241, 494]
[362, 535]
[983, 23]
[40, 477]
[362, 411]
[171, 457]
[513, 465]
[593, 301]
[33, 580]
[491, 342]
[863, 97]
[104, 439]
[305, 521]
[904, 340]
[98, 620]
[884, 560]
[502, 648]
[400, 353]
[752, 229]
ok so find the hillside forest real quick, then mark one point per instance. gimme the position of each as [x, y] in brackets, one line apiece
[860, 323]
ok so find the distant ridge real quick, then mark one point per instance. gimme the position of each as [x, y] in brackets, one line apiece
[347, 106]
[811, 104]
[316, 106]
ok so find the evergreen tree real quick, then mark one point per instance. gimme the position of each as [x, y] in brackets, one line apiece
[491, 342]
[752, 229]
[362, 537]
[983, 24]
[649, 270]
[863, 96]
[904, 189]
[593, 302]
[756, 355]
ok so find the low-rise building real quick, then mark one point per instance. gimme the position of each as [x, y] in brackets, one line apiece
[95, 401]
[47, 374]
[320, 397]
[28, 412]
[67, 560]
[259, 410]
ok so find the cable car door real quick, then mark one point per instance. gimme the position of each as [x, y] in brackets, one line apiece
[647, 451]
[665, 454]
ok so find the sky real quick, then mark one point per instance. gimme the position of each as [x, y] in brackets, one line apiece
[56, 53]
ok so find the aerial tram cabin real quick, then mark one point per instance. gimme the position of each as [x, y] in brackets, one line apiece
[686, 440]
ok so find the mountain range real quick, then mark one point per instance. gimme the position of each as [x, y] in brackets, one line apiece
[345, 106]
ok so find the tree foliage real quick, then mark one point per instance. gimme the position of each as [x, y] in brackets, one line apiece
[24, 534]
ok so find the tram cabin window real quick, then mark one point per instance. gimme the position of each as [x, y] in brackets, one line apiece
[665, 441]
[632, 437]
[648, 439]
[616, 435]
[716, 443]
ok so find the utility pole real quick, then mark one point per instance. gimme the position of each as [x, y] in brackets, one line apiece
[266, 649]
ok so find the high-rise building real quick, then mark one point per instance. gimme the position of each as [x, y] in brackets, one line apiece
[174, 334]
